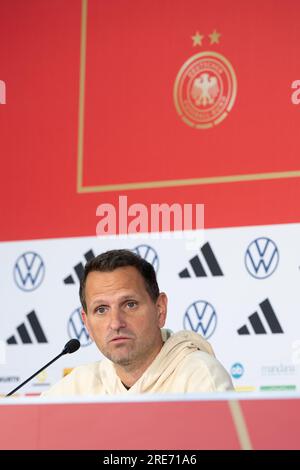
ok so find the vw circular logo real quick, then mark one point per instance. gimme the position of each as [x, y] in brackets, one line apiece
[261, 258]
[237, 370]
[149, 254]
[29, 271]
[200, 317]
[77, 329]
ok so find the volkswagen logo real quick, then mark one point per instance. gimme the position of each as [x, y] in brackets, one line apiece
[200, 317]
[29, 271]
[149, 254]
[261, 258]
[77, 329]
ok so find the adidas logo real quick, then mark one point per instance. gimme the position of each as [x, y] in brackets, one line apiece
[258, 326]
[23, 332]
[197, 266]
[79, 268]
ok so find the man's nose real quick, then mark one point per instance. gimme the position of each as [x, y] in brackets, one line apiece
[117, 319]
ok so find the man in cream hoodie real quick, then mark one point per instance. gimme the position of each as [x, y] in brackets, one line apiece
[124, 313]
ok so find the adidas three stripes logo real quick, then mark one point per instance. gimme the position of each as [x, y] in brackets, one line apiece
[79, 268]
[25, 334]
[269, 317]
[197, 266]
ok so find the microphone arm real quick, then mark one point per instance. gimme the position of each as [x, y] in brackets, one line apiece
[70, 347]
[33, 375]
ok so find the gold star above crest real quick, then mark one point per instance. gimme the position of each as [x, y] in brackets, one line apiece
[197, 39]
[214, 37]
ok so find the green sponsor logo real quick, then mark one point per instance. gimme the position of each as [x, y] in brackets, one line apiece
[277, 388]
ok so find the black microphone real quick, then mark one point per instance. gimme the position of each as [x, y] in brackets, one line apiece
[70, 347]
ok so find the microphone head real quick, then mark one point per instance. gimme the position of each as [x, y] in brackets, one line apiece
[71, 346]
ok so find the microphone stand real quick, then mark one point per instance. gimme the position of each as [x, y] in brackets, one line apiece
[36, 373]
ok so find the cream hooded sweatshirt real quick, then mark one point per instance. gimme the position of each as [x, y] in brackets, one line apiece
[186, 363]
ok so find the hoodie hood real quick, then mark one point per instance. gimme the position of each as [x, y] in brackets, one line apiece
[185, 339]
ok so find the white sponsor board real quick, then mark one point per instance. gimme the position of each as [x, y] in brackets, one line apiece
[256, 322]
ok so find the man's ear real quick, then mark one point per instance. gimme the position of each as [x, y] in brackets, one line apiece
[84, 317]
[162, 307]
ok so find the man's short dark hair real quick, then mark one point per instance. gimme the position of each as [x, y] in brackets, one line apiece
[113, 259]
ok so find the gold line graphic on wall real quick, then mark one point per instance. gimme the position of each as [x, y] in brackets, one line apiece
[81, 94]
[240, 425]
[146, 184]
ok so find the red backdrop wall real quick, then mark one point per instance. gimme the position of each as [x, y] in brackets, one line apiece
[89, 103]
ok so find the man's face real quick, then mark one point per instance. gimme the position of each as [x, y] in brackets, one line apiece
[121, 317]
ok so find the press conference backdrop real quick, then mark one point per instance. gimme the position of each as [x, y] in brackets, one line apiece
[161, 102]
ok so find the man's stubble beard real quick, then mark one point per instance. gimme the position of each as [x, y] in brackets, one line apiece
[133, 356]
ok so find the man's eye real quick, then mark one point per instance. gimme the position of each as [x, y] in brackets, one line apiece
[101, 309]
[131, 304]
